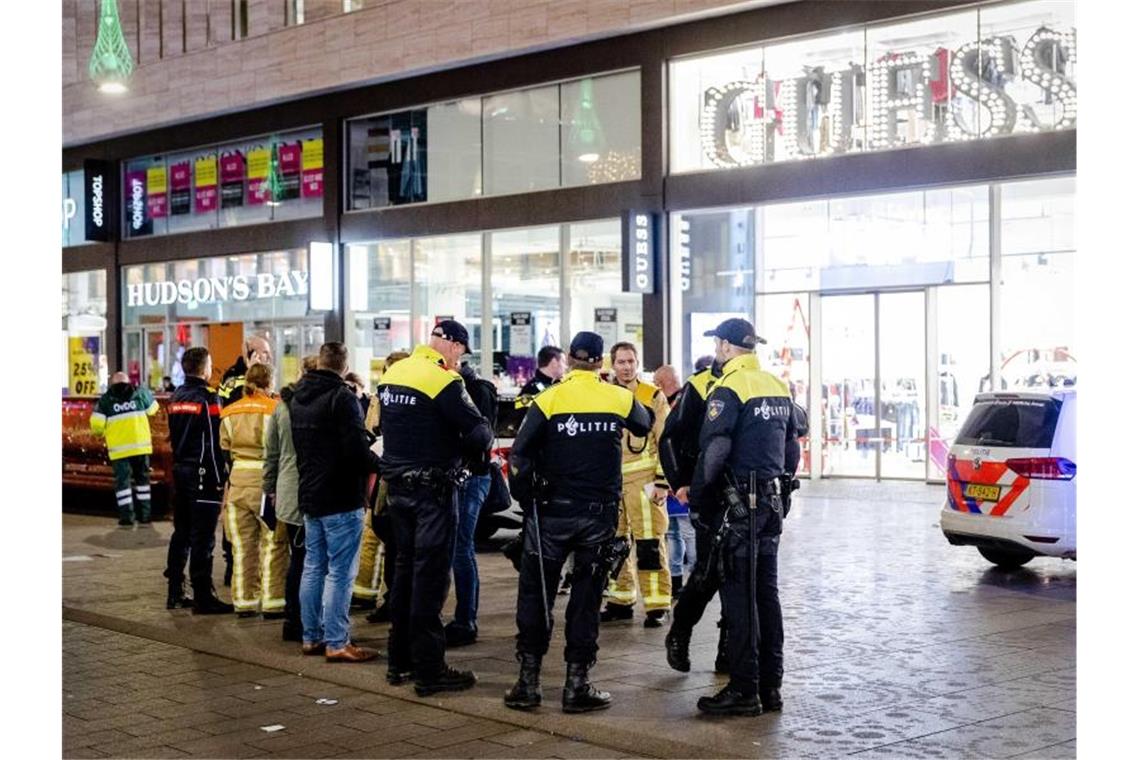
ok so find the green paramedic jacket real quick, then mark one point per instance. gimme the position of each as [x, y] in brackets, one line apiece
[121, 416]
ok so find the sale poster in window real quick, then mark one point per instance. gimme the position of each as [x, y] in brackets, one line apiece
[156, 191]
[312, 168]
[206, 184]
[82, 362]
[180, 188]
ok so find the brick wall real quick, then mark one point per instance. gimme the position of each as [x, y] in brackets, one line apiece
[331, 49]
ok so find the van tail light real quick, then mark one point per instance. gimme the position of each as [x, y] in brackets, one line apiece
[1043, 468]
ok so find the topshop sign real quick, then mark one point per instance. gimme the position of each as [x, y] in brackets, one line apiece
[205, 290]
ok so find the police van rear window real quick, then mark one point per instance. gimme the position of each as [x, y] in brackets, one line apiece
[1013, 422]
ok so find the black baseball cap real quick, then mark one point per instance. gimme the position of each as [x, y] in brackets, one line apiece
[738, 332]
[587, 346]
[453, 331]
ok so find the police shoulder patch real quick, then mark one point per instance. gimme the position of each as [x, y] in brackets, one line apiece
[716, 406]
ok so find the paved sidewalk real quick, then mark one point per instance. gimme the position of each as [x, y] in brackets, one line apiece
[898, 645]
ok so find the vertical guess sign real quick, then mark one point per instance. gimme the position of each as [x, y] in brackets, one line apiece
[639, 252]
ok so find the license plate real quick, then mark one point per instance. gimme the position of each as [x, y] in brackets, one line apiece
[983, 493]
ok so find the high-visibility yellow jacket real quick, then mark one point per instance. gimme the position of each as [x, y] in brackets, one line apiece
[639, 454]
[120, 416]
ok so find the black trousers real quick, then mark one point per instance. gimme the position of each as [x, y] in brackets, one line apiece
[197, 504]
[756, 660]
[293, 575]
[694, 598]
[584, 536]
[423, 525]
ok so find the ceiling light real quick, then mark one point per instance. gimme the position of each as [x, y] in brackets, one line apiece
[111, 64]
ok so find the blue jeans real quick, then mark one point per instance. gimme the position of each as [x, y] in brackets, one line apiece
[682, 545]
[472, 494]
[332, 553]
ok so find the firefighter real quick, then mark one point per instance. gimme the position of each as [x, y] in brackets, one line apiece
[261, 551]
[430, 429]
[643, 512]
[121, 416]
[566, 473]
[747, 443]
[199, 476]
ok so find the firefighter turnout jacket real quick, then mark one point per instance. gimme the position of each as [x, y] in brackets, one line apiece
[426, 417]
[571, 437]
[639, 452]
[748, 427]
[194, 416]
[121, 416]
[243, 433]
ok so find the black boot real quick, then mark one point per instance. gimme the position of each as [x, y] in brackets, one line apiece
[527, 691]
[677, 649]
[616, 612]
[770, 699]
[653, 618]
[729, 701]
[208, 603]
[676, 581]
[380, 615]
[579, 695]
[721, 665]
[446, 678]
[176, 597]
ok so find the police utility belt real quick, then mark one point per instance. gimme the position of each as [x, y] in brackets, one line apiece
[736, 502]
[435, 478]
[571, 508]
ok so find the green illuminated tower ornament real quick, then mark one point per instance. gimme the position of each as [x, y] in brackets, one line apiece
[274, 184]
[586, 130]
[111, 63]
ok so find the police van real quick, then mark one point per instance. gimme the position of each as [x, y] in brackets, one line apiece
[1011, 488]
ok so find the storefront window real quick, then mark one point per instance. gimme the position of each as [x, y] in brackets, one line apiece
[963, 352]
[783, 321]
[520, 141]
[922, 81]
[597, 302]
[916, 238]
[379, 304]
[449, 285]
[525, 303]
[217, 303]
[601, 131]
[264, 179]
[1037, 306]
[582, 132]
[74, 209]
[85, 333]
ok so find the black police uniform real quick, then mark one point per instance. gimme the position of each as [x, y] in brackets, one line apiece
[430, 427]
[680, 447]
[748, 430]
[199, 479]
[566, 464]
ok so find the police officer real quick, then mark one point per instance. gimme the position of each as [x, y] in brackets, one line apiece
[566, 472]
[679, 448]
[551, 366]
[199, 477]
[748, 441]
[430, 428]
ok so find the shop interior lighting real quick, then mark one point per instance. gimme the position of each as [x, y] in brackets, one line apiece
[321, 276]
[111, 64]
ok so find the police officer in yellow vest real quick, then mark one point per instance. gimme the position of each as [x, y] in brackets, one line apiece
[260, 542]
[643, 513]
[748, 441]
[430, 429]
[122, 416]
[566, 474]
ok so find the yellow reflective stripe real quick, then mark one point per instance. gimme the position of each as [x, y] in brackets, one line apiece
[619, 596]
[364, 591]
[248, 464]
[238, 586]
[655, 599]
[646, 515]
[646, 462]
[377, 561]
[129, 450]
[272, 605]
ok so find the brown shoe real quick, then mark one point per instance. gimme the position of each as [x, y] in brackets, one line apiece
[351, 653]
[313, 649]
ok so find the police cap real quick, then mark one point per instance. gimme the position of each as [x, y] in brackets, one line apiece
[453, 331]
[587, 346]
[738, 332]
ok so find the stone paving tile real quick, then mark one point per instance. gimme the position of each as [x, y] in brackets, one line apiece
[896, 633]
[1024, 733]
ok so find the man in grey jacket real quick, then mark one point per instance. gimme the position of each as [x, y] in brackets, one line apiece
[279, 485]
